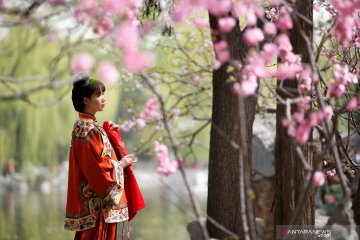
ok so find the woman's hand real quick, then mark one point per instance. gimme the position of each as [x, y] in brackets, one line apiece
[113, 125]
[128, 160]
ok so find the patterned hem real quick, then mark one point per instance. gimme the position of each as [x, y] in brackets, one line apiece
[80, 224]
[116, 214]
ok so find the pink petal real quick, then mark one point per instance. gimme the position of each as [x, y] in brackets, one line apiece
[253, 36]
[318, 178]
[136, 61]
[226, 24]
[108, 72]
[81, 62]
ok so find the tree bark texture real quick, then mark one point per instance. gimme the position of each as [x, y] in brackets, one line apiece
[290, 173]
[223, 185]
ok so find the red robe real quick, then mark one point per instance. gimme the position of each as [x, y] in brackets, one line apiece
[134, 196]
[96, 197]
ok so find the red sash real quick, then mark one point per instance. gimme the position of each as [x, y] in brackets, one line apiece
[134, 197]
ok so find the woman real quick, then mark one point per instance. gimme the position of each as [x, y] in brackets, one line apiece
[96, 198]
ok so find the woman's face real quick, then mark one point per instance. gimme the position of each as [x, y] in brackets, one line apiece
[95, 103]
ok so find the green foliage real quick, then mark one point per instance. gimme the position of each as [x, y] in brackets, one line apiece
[30, 134]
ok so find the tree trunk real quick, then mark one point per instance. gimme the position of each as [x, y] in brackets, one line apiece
[223, 185]
[290, 174]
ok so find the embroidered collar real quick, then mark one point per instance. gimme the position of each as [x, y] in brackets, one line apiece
[87, 116]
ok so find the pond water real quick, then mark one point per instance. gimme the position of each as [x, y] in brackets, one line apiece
[33, 215]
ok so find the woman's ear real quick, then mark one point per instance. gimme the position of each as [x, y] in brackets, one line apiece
[86, 101]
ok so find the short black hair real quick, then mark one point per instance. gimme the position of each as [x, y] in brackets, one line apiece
[85, 87]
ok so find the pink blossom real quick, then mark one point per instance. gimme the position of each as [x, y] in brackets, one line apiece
[240, 9]
[51, 37]
[269, 52]
[292, 129]
[201, 23]
[251, 18]
[81, 62]
[81, 16]
[256, 66]
[316, 118]
[331, 172]
[272, 14]
[353, 104]
[39, 14]
[127, 125]
[303, 132]
[218, 8]
[115, 6]
[330, 199]
[304, 103]
[216, 64]
[318, 179]
[346, 7]
[108, 72]
[275, 2]
[148, 26]
[307, 78]
[126, 37]
[104, 26]
[345, 20]
[285, 21]
[89, 4]
[196, 78]
[246, 87]
[226, 24]
[253, 36]
[285, 122]
[176, 112]
[259, 11]
[165, 167]
[342, 77]
[135, 3]
[150, 109]
[221, 51]
[286, 71]
[181, 11]
[336, 90]
[54, 2]
[283, 43]
[344, 28]
[141, 123]
[136, 61]
[299, 116]
[270, 28]
[328, 112]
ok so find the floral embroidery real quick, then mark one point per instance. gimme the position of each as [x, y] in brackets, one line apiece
[113, 197]
[116, 213]
[118, 172]
[82, 127]
[107, 146]
[83, 223]
[87, 191]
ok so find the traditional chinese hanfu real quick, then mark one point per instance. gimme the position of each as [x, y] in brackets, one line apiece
[96, 198]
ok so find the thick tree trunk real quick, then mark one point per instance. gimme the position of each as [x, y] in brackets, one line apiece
[290, 174]
[223, 185]
[356, 204]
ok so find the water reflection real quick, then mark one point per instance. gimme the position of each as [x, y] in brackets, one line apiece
[36, 216]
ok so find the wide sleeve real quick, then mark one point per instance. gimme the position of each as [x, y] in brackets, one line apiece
[97, 168]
